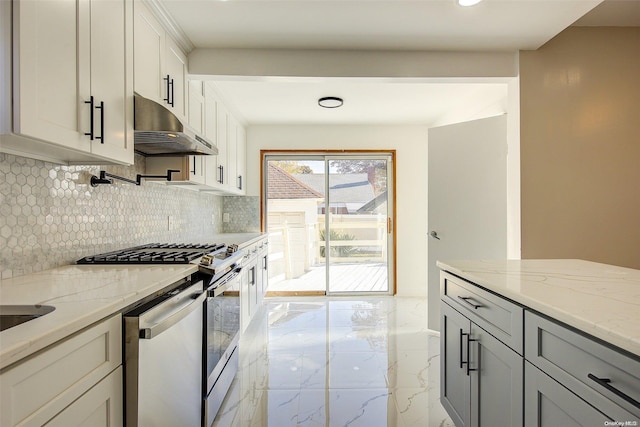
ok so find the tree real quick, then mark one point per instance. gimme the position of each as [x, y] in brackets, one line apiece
[292, 166]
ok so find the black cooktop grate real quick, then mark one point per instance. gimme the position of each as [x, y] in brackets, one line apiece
[154, 253]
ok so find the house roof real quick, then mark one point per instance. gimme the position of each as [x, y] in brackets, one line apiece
[282, 185]
[352, 187]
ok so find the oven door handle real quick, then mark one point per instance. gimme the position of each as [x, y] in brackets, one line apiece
[226, 284]
[193, 303]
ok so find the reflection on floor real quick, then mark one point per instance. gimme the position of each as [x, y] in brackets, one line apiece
[335, 361]
[354, 277]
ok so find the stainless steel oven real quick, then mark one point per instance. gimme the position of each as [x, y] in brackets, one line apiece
[181, 348]
[222, 330]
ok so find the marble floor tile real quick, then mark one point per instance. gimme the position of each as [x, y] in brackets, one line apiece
[337, 362]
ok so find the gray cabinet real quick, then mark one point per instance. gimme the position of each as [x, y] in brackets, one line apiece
[549, 404]
[501, 362]
[601, 376]
[455, 385]
[481, 377]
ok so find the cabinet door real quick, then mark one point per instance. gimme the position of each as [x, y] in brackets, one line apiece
[210, 113]
[241, 160]
[455, 386]
[149, 55]
[549, 404]
[496, 381]
[222, 170]
[196, 106]
[111, 79]
[197, 171]
[50, 53]
[176, 68]
[101, 406]
[253, 286]
[232, 153]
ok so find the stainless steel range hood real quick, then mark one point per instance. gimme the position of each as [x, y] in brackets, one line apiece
[158, 132]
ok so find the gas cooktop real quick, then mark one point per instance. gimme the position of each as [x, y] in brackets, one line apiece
[154, 253]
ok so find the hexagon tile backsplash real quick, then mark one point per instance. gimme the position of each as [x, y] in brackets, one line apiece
[51, 216]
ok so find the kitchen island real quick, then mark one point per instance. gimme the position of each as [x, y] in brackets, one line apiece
[553, 341]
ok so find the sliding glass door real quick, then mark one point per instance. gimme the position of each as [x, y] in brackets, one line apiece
[330, 222]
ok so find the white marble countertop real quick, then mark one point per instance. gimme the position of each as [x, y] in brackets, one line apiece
[599, 299]
[83, 295]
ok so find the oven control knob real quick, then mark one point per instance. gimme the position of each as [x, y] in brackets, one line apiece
[207, 260]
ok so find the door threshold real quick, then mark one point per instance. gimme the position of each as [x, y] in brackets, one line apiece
[295, 293]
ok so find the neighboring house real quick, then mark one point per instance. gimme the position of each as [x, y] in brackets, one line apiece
[291, 223]
[347, 192]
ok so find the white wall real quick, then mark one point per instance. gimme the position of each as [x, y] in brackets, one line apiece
[410, 143]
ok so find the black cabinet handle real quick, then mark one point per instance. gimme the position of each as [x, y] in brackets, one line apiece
[101, 108]
[253, 276]
[172, 94]
[462, 334]
[466, 299]
[90, 133]
[264, 262]
[194, 165]
[239, 182]
[469, 341]
[168, 98]
[606, 383]
[220, 174]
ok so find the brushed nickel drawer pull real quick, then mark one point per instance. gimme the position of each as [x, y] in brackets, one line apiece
[605, 382]
[468, 301]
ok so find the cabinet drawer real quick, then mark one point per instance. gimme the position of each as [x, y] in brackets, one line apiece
[548, 403]
[578, 361]
[36, 390]
[501, 318]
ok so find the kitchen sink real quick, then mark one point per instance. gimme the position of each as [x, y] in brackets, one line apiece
[14, 315]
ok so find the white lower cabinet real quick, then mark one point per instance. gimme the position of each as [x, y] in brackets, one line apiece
[254, 280]
[67, 376]
[99, 407]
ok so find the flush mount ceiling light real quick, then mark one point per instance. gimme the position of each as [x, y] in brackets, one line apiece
[330, 102]
[468, 2]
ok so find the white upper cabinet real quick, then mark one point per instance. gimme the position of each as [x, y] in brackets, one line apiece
[196, 107]
[72, 81]
[160, 65]
[237, 157]
[241, 160]
[111, 87]
[226, 171]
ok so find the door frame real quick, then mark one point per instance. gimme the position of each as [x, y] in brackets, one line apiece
[391, 263]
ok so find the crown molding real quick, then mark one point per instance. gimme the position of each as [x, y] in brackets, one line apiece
[170, 25]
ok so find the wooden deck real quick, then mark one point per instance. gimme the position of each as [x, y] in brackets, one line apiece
[362, 277]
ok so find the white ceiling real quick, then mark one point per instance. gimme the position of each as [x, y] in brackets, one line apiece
[375, 24]
[436, 25]
[295, 101]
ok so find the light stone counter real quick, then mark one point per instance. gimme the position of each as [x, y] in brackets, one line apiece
[82, 295]
[601, 300]
[85, 294]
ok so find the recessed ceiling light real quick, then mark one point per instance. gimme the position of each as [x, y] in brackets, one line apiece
[468, 2]
[330, 102]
